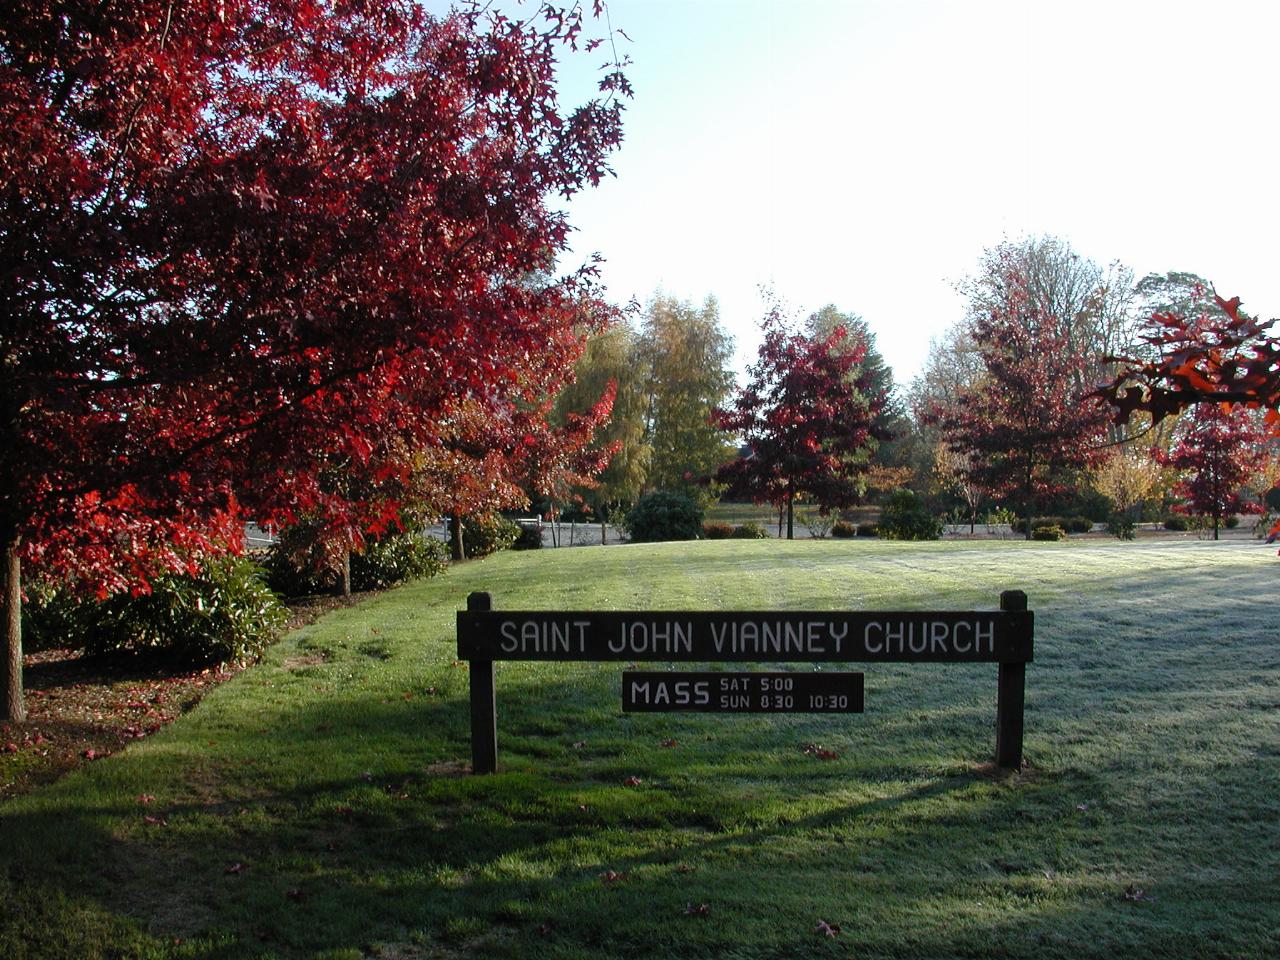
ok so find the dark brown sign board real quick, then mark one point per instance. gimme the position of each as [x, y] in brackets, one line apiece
[740, 692]
[994, 636]
[1001, 636]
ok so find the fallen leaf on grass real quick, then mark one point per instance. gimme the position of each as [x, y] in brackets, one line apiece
[1082, 807]
[91, 754]
[828, 929]
[579, 744]
[632, 782]
[612, 876]
[1137, 893]
[546, 928]
[819, 751]
[701, 910]
[156, 821]
[234, 868]
[669, 743]
[297, 896]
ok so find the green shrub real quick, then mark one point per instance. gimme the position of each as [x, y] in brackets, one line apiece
[530, 538]
[1176, 521]
[906, 517]
[225, 613]
[843, 529]
[50, 617]
[397, 557]
[817, 523]
[868, 530]
[717, 531]
[1120, 526]
[1050, 531]
[664, 516]
[1231, 521]
[298, 564]
[1020, 525]
[486, 534]
[749, 531]
[1078, 525]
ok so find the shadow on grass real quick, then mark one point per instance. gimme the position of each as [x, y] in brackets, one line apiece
[402, 850]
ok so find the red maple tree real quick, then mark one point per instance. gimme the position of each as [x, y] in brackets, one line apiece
[807, 418]
[1227, 358]
[1022, 429]
[1220, 449]
[244, 240]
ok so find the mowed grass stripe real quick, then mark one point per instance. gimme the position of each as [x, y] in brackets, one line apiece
[318, 804]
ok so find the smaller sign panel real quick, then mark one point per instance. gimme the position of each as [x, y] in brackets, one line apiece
[722, 692]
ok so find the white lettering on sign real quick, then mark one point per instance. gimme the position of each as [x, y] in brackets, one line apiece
[550, 636]
[779, 637]
[935, 636]
[641, 637]
[680, 693]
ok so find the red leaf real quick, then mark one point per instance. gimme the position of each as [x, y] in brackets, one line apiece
[234, 868]
[632, 782]
[701, 910]
[828, 929]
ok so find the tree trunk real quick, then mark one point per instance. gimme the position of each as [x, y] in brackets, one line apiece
[1215, 526]
[344, 574]
[15, 709]
[780, 511]
[790, 512]
[604, 536]
[456, 550]
[1030, 521]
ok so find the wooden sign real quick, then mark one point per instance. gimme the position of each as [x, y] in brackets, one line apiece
[996, 636]
[740, 692]
[1003, 637]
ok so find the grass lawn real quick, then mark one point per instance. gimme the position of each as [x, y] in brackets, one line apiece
[317, 805]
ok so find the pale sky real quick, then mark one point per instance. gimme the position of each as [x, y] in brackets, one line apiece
[864, 152]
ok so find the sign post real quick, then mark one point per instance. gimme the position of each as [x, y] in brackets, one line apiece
[1001, 636]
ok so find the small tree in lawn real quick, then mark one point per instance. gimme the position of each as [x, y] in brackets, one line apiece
[807, 418]
[1220, 451]
[1023, 426]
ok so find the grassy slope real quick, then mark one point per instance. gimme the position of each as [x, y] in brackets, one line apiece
[328, 781]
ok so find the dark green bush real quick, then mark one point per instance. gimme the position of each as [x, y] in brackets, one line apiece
[717, 531]
[1077, 525]
[664, 516]
[225, 613]
[1231, 521]
[868, 530]
[530, 538]
[1176, 521]
[397, 557]
[1120, 526]
[297, 564]
[1020, 525]
[748, 531]
[1050, 531]
[486, 534]
[906, 517]
[843, 529]
[50, 617]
